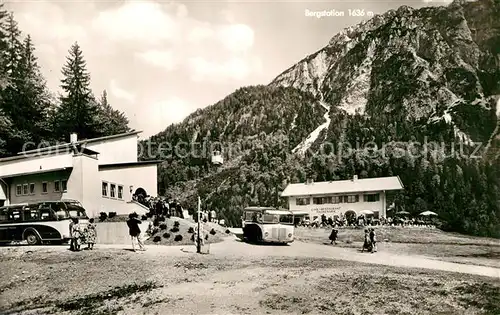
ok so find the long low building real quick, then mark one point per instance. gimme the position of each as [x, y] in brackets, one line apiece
[335, 198]
[102, 173]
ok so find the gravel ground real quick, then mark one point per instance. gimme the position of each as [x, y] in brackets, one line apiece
[49, 280]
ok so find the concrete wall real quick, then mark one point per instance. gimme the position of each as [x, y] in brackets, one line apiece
[84, 184]
[340, 208]
[35, 164]
[38, 180]
[144, 176]
[120, 150]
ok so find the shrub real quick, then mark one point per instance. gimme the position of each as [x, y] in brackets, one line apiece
[149, 214]
[156, 222]
[178, 238]
[174, 229]
[155, 230]
[212, 231]
[144, 217]
[190, 230]
[163, 226]
[161, 219]
[228, 232]
[206, 237]
[103, 216]
[111, 214]
[204, 220]
[176, 224]
[166, 235]
[156, 239]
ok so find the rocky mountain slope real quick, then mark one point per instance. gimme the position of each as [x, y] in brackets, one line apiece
[427, 65]
[431, 74]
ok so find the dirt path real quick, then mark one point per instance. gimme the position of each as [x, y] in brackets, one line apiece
[235, 248]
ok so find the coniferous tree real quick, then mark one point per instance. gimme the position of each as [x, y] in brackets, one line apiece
[78, 106]
[111, 121]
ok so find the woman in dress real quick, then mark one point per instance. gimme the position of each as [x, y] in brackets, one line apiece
[91, 234]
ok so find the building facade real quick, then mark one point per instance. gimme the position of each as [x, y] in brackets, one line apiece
[101, 173]
[336, 198]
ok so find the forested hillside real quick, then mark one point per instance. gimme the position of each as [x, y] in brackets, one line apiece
[392, 84]
[29, 112]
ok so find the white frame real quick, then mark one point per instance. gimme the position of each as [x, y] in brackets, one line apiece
[19, 193]
[57, 186]
[107, 189]
[46, 186]
[26, 189]
[64, 189]
[34, 189]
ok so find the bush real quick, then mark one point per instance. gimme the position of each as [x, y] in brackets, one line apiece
[176, 224]
[156, 222]
[206, 237]
[156, 239]
[190, 230]
[161, 219]
[112, 215]
[166, 235]
[144, 217]
[228, 232]
[149, 214]
[103, 216]
[178, 238]
[163, 226]
[204, 220]
[174, 229]
[212, 231]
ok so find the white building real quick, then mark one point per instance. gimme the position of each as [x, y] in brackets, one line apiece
[102, 173]
[339, 197]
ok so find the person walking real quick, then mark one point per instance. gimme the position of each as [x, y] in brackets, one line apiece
[134, 231]
[333, 236]
[367, 243]
[373, 240]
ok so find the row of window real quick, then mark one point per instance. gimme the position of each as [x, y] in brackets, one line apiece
[109, 190]
[30, 189]
[337, 199]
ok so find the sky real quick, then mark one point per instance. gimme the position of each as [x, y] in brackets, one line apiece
[161, 60]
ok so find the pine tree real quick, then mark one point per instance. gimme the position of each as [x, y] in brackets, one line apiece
[33, 98]
[111, 121]
[78, 107]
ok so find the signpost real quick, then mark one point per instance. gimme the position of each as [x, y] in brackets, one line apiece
[198, 238]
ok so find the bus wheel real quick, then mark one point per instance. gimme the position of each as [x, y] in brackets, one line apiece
[32, 238]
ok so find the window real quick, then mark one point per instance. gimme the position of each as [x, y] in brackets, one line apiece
[64, 184]
[302, 201]
[45, 188]
[322, 200]
[371, 198]
[337, 199]
[32, 189]
[31, 214]
[120, 192]
[113, 191]
[57, 186]
[19, 190]
[25, 189]
[104, 189]
[15, 214]
[351, 198]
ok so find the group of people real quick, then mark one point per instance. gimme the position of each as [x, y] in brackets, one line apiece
[79, 234]
[369, 243]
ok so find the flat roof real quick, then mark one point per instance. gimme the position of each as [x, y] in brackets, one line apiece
[56, 150]
[129, 164]
[83, 141]
[344, 186]
[38, 172]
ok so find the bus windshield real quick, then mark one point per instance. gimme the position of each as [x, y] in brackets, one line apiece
[267, 218]
[74, 211]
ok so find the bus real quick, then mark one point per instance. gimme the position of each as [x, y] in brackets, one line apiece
[268, 225]
[40, 222]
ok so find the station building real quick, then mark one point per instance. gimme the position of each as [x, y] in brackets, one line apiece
[102, 173]
[335, 198]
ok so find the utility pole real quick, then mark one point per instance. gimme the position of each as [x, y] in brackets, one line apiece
[198, 244]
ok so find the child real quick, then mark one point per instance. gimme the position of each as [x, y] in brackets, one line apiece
[91, 234]
[75, 235]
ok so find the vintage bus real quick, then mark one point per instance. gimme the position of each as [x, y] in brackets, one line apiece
[39, 222]
[268, 225]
